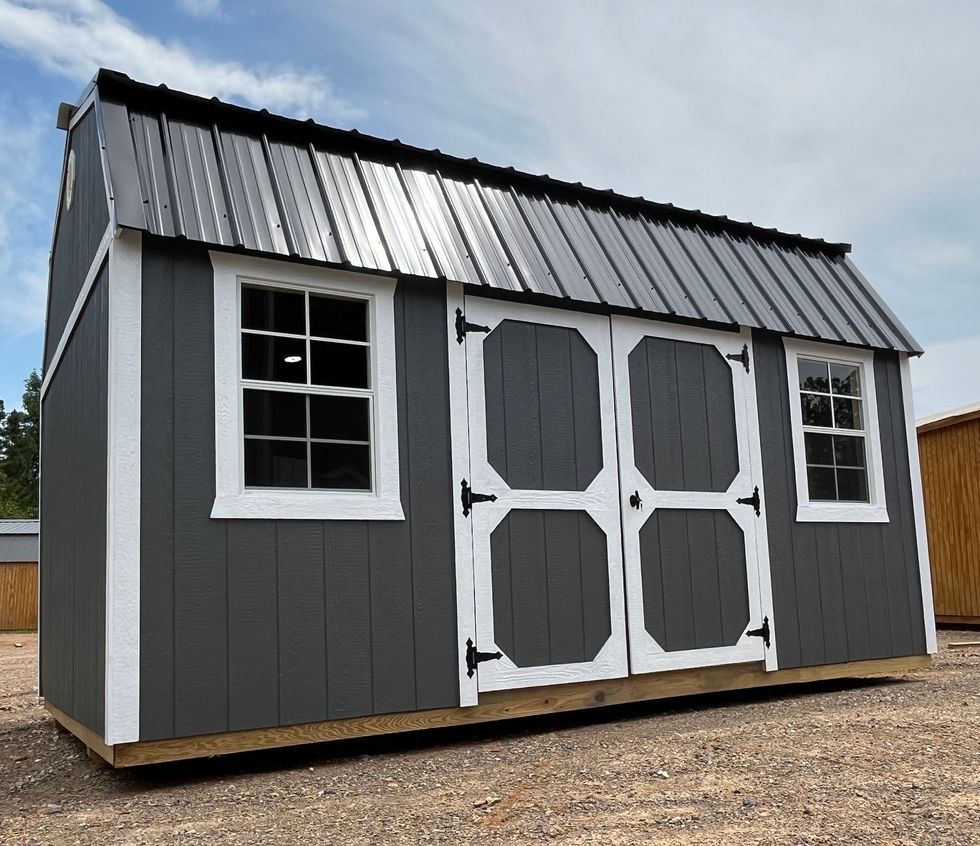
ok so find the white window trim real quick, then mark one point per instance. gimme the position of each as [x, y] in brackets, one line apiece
[874, 511]
[232, 499]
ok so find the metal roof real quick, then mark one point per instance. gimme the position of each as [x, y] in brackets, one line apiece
[187, 167]
[948, 418]
[18, 527]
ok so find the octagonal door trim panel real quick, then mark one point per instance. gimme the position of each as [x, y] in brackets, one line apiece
[677, 396]
[539, 367]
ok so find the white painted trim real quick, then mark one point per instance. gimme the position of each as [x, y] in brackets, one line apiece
[874, 511]
[646, 655]
[232, 500]
[76, 311]
[918, 509]
[463, 527]
[601, 500]
[122, 640]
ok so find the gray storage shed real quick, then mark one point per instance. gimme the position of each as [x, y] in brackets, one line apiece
[341, 436]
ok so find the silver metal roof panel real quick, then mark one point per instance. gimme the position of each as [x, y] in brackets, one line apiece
[234, 178]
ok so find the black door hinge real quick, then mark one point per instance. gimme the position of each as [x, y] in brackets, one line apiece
[473, 657]
[753, 500]
[743, 357]
[462, 326]
[467, 497]
[762, 631]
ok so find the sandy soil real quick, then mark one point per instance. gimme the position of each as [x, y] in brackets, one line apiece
[884, 762]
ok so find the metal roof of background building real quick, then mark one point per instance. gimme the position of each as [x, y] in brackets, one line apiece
[187, 167]
[18, 527]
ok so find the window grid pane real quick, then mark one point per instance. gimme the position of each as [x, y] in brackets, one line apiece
[343, 460]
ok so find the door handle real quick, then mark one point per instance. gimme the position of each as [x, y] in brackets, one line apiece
[635, 501]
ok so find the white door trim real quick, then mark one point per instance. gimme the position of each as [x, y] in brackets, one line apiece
[646, 655]
[600, 499]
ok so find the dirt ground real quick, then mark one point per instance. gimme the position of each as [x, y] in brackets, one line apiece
[886, 762]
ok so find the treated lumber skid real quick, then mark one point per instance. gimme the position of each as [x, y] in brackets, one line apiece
[498, 705]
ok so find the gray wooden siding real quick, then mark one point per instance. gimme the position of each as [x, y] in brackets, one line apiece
[692, 564]
[550, 576]
[73, 520]
[542, 398]
[849, 591]
[683, 412]
[257, 623]
[79, 231]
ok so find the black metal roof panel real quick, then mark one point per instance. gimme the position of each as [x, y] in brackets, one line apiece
[232, 177]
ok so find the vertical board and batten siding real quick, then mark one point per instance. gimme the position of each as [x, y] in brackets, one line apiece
[950, 462]
[79, 231]
[844, 591]
[18, 595]
[74, 431]
[248, 623]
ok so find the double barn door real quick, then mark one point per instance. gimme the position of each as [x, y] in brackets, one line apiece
[607, 518]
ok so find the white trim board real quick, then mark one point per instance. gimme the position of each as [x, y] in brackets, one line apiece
[122, 622]
[874, 511]
[463, 527]
[918, 508]
[233, 500]
[77, 308]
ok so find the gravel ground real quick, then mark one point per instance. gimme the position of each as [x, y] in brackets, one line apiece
[885, 762]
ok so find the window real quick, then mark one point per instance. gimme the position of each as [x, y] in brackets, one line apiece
[836, 448]
[306, 409]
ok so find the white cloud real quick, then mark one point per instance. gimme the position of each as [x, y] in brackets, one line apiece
[74, 37]
[24, 220]
[947, 376]
[200, 8]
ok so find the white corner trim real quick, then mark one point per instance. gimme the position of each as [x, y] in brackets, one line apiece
[122, 635]
[918, 509]
[874, 511]
[232, 500]
[76, 311]
[463, 527]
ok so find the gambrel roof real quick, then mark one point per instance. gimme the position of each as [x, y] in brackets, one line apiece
[188, 167]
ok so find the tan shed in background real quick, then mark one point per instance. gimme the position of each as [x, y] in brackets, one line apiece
[949, 453]
[18, 574]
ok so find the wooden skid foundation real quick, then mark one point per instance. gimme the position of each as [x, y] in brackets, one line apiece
[953, 620]
[498, 705]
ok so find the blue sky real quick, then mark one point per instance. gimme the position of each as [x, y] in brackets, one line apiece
[852, 121]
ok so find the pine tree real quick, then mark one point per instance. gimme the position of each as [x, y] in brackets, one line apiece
[19, 449]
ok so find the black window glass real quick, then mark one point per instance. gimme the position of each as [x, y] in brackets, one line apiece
[340, 365]
[340, 418]
[816, 410]
[813, 376]
[273, 359]
[852, 485]
[846, 379]
[820, 481]
[819, 449]
[275, 464]
[341, 466]
[273, 311]
[848, 451]
[275, 413]
[847, 414]
[333, 317]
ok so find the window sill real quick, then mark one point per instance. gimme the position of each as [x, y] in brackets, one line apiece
[841, 513]
[306, 505]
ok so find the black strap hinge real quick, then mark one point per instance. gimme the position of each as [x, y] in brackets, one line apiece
[473, 657]
[755, 501]
[743, 357]
[762, 631]
[462, 326]
[467, 497]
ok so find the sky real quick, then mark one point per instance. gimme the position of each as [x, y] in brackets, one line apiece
[851, 120]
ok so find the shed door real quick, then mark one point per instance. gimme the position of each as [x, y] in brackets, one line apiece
[547, 553]
[688, 447]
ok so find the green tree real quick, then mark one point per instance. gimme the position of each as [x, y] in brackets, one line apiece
[19, 449]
